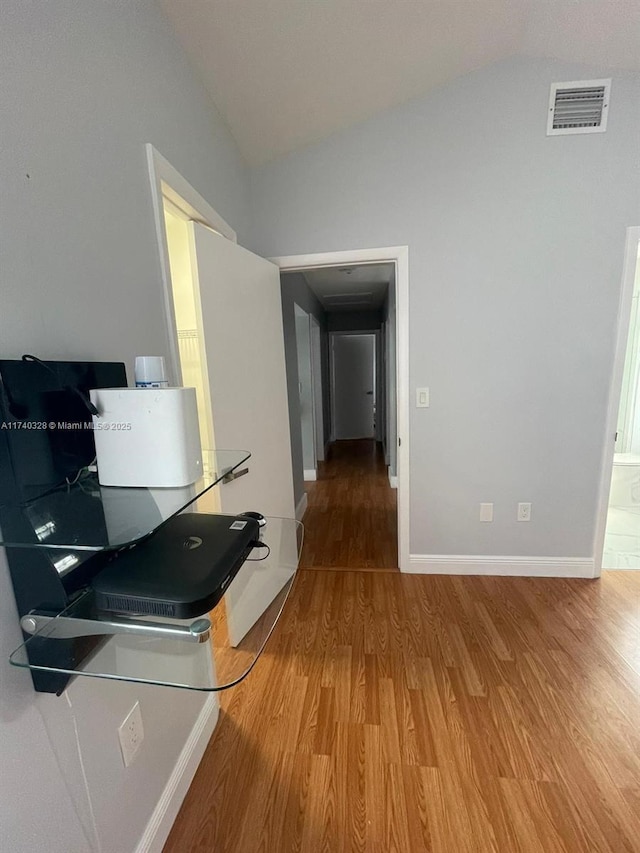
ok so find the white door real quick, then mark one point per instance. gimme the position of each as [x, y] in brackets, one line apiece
[353, 385]
[244, 343]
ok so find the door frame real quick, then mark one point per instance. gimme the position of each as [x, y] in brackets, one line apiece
[374, 333]
[615, 391]
[400, 256]
[166, 181]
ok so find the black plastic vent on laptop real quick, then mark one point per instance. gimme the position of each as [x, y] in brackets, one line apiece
[122, 604]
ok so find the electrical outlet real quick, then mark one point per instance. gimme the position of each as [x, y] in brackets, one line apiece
[524, 512]
[131, 734]
[486, 512]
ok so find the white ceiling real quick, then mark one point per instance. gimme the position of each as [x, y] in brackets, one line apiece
[286, 73]
[352, 288]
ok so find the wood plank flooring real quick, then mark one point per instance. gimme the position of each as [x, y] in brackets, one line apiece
[351, 518]
[411, 713]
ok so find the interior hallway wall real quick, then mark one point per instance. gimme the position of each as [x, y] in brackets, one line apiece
[295, 290]
[85, 84]
[353, 321]
[516, 244]
[305, 395]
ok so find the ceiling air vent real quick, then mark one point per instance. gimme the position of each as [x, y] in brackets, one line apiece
[578, 107]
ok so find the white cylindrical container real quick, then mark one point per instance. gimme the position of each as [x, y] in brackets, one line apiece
[150, 372]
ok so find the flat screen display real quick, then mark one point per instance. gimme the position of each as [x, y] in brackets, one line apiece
[45, 421]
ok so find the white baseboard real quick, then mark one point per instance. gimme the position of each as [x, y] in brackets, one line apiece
[302, 507]
[164, 814]
[310, 474]
[393, 481]
[541, 567]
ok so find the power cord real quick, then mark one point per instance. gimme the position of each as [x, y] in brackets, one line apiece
[85, 400]
[258, 544]
[83, 472]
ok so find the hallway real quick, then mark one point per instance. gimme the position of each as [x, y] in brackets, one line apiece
[351, 518]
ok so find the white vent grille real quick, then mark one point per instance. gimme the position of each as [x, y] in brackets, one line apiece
[578, 107]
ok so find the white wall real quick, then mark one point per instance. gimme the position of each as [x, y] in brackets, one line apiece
[516, 244]
[37, 809]
[353, 321]
[85, 85]
[295, 290]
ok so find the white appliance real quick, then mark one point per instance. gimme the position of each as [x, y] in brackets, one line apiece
[147, 437]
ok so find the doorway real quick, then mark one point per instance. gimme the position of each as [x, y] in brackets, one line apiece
[391, 424]
[617, 540]
[228, 297]
[238, 314]
[622, 534]
[191, 342]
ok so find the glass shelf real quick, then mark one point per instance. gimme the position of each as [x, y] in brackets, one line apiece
[75, 643]
[86, 516]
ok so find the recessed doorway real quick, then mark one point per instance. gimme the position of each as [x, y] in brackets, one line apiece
[617, 538]
[622, 534]
[354, 502]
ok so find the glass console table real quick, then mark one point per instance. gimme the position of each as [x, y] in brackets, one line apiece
[85, 516]
[81, 524]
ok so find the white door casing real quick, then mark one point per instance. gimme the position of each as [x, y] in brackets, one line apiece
[398, 360]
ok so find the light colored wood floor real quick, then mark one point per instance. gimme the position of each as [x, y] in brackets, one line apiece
[411, 713]
[351, 518]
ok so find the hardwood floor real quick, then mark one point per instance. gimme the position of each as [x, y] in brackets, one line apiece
[411, 713]
[351, 518]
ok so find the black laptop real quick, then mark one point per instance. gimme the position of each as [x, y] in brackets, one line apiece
[180, 571]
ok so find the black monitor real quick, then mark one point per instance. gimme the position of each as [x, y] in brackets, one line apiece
[45, 421]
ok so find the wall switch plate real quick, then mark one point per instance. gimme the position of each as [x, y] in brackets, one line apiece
[422, 398]
[131, 734]
[524, 512]
[486, 512]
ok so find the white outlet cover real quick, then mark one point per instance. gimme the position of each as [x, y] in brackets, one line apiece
[486, 512]
[131, 734]
[422, 398]
[524, 512]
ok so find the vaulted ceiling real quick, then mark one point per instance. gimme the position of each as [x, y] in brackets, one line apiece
[286, 73]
